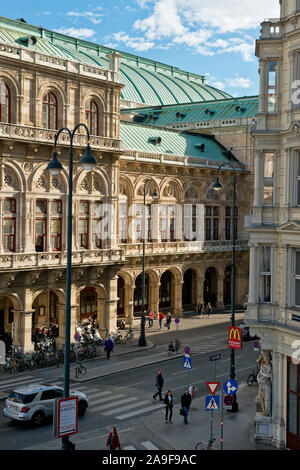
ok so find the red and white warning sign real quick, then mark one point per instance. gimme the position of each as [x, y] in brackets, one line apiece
[213, 387]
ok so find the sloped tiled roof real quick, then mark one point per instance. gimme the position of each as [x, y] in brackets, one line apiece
[143, 138]
[226, 109]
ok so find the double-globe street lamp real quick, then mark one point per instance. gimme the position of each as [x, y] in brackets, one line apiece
[142, 339]
[88, 162]
[218, 187]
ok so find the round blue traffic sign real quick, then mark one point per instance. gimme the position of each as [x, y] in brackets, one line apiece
[187, 350]
[231, 387]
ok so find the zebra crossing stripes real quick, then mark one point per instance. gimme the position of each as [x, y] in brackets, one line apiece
[113, 404]
[18, 383]
[125, 408]
[146, 444]
[149, 445]
[140, 412]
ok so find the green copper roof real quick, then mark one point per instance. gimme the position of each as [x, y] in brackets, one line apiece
[151, 139]
[176, 115]
[146, 81]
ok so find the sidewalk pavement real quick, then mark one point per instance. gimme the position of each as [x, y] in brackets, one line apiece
[101, 367]
[238, 429]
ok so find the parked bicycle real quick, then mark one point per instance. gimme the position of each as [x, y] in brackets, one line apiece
[252, 379]
[210, 445]
[79, 370]
[129, 337]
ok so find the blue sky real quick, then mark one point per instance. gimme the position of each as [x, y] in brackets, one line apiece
[212, 37]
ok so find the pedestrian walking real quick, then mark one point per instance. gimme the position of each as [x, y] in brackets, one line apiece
[200, 308]
[159, 385]
[160, 319]
[108, 346]
[209, 309]
[151, 318]
[168, 320]
[169, 406]
[186, 400]
[113, 440]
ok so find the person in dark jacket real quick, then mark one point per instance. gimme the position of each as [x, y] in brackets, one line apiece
[159, 385]
[168, 320]
[169, 406]
[186, 400]
[113, 440]
[108, 346]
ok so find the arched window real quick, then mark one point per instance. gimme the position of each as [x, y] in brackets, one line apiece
[50, 111]
[92, 117]
[4, 102]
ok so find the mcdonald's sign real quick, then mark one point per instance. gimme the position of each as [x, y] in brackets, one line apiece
[234, 337]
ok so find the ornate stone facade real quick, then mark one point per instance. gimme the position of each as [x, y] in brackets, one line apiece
[41, 94]
[273, 309]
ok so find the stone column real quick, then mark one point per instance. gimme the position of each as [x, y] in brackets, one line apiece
[23, 323]
[177, 293]
[258, 182]
[252, 299]
[278, 400]
[199, 288]
[73, 318]
[262, 85]
[111, 304]
[220, 292]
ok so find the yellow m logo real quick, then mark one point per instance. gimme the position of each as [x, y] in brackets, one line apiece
[235, 333]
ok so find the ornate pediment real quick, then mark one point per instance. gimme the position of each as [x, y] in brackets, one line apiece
[290, 226]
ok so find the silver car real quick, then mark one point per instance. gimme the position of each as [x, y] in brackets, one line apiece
[34, 402]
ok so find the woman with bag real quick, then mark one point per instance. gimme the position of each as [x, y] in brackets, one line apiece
[113, 440]
[169, 406]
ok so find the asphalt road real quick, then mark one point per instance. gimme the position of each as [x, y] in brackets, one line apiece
[114, 397]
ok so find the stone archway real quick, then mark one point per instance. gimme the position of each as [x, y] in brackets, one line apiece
[210, 288]
[189, 289]
[227, 285]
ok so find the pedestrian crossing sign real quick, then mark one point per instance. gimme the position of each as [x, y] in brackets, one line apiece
[212, 403]
[187, 362]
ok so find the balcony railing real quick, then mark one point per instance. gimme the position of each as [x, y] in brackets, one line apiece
[271, 29]
[39, 135]
[133, 249]
[51, 259]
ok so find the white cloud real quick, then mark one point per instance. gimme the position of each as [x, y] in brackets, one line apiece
[82, 33]
[193, 22]
[139, 44]
[95, 18]
[239, 82]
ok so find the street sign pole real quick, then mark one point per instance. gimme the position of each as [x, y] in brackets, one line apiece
[222, 419]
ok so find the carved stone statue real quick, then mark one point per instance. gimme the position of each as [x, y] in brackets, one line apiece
[264, 379]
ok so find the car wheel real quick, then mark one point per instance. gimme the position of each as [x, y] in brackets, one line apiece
[38, 418]
[82, 406]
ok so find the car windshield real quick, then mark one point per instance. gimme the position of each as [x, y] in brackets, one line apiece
[22, 397]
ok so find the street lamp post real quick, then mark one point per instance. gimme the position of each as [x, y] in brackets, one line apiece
[142, 339]
[217, 186]
[54, 166]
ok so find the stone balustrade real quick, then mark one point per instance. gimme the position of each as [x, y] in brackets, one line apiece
[24, 54]
[56, 259]
[39, 135]
[182, 247]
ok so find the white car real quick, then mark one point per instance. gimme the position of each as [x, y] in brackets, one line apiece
[34, 402]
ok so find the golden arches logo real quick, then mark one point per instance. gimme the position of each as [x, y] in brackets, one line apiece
[235, 333]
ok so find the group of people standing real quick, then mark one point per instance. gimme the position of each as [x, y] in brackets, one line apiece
[186, 399]
[113, 441]
[202, 309]
[161, 316]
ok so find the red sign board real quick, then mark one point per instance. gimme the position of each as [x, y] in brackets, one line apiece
[234, 337]
[213, 387]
